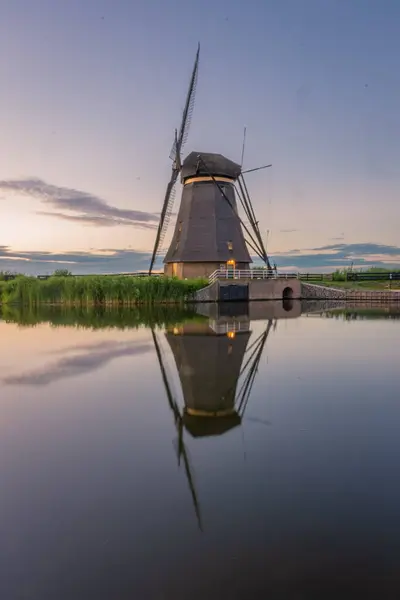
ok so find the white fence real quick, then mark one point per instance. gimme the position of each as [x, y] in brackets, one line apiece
[249, 274]
[229, 327]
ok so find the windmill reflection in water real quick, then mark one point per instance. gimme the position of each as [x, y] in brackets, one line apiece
[217, 369]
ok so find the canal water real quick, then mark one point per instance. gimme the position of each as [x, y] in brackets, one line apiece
[250, 452]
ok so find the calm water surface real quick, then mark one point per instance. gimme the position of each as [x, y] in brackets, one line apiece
[200, 455]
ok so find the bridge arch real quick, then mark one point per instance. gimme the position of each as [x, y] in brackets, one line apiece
[287, 293]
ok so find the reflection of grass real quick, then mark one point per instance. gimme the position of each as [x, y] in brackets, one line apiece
[99, 317]
[98, 289]
[352, 314]
[363, 285]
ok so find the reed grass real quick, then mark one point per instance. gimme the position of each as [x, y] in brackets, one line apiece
[98, 290]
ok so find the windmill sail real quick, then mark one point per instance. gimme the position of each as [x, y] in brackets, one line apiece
[175, 155]
[165, 217]
[181, 140]
[247, 205]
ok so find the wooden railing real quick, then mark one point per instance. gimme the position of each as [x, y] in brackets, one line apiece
[372, 276]
[229, 327]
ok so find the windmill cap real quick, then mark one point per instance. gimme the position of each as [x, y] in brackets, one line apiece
[215, 164]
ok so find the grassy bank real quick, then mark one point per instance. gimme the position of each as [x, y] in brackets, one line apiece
[98, 290]
[360, 285]
[354, 314]
[347, 278]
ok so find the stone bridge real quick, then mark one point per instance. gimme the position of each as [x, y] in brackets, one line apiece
[294, 288]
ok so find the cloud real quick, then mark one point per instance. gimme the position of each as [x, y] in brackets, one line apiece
[88, 209]
[334, 256]
[288, 230]
[86, 359]
[95, 261]
[364, 248]
[96, 221]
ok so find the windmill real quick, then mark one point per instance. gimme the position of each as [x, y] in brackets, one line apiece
[209, 232]
[216, 402]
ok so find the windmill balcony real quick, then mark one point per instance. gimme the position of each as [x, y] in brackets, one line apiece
[193, 270]
[246, 274]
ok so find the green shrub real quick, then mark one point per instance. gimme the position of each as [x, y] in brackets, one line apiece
[62, 273]
[5, 275]
[339, 275]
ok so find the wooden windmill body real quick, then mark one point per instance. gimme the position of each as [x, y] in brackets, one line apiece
[209, 232]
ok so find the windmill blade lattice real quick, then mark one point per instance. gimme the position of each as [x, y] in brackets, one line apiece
[188, 110]
[175, 154]
[167, 220]
[165, 210]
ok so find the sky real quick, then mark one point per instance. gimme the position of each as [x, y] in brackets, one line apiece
[92, 92]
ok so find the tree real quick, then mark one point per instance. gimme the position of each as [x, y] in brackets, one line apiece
[62, 273]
